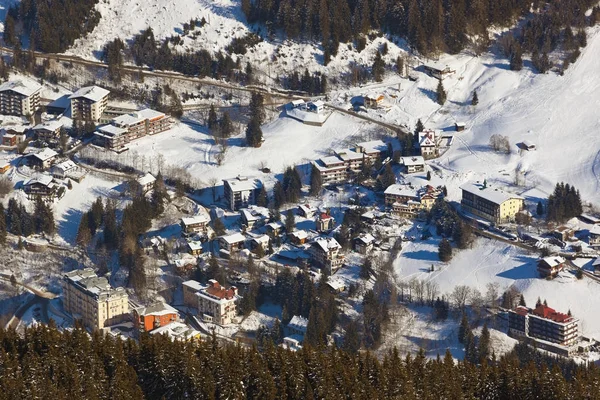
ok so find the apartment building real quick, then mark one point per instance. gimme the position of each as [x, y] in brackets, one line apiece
[544, 323]
[490, 203]
[111, 137]
[88, 103]
[325, 254]
[19, 97]
[48, 131]
[91, 299]
[195, 224]
[407, 202]
[241, 192]
[413, 164]
[331, 169]
[217, 304]
[154, 316]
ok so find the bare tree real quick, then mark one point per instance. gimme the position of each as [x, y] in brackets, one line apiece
[477, 301]
[459, 295]
[492, 294]
[432, 290]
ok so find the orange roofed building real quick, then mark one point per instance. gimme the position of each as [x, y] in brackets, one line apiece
[544, 323]
[217, 304]
[155, 316]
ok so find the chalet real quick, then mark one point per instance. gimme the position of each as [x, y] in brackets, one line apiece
[594, 238]
[316, 106]
[437, 72]
[306, 211]
[177, 331]
[88, 103]
[195, 224]
[374, 101]
[397, 193]
[325, 254]
[9, 139]
[274, 228]
[252, 216]
[298, 237]
[297, 325]
[67, 169]
[364, 243]
[42, 159]
[490, 203]
[194, 247]
[336, 285]
[292, 343]
[19, 97]
[41, 186]
[17, 133]
[260, 242]
[407, 202]
[428, 144]
[232, 243]
[551, 266]
[159, 314]
[48, 131]
[413, 164]
[460, 126]
[241, 192]
[146, 182]
[325, 222]
[563, 233]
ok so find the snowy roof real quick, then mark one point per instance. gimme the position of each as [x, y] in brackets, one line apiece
[146, 179]
[349, 155]
[112, 130]
[412, 161]
[401, 190]
[596, 262]
[595, 230]
[158, 308]
[24, 87]
[298, 323]
[127, 120]
[297, 102]
[374, 97]
[331, 160]
[366, 238]
[263, 239]
[242, 183]
[234, 238]
[306, 208]
[49, 125]
[488, 193]
[196, 219]
[336, 284]
[194, 245]
[427, 138]
[43, 179]
[45, 154]
[318, 103]
[176, 330]
[373, 146]
[300, 234]
[275, 225]
[193, 284]
[327, 244]
[148, 113]
[461, 124]
[553, 261]
[94, 93]
[65, 165]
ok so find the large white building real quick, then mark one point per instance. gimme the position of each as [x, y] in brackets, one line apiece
[88, 103]
[19, 97]
[490, 203]
[214, 302]
[91, 299]
[241, 192]
[128, 127]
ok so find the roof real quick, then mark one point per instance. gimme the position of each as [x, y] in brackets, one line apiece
[336, 284]
[195, 245]
[241, 183]
[275, 225]
[298, 323]
[488, 193]
[176, 330]
[595, 230]
[401, 190]
[528, 144]
[196, 219]
[318, 103]
[148, 113]
[373, 146]
[93, 284]
[412, 161]
[300, 234]
[326, 244]
[327, 161]
[262, 239]
[214, 289]
[324, 216]
[127, 119]
[460, 124]
[193, 284]
[553, 261]
[366, 238]
[306, 208]
[146, 179]
[158, 308]
[549, 313]
[234, 238]
[45, 154]
[21, 86]
[65, 165]
[427, 138]
[94, 93]
[112, 130]
[42, 179]
[348, 155]
[49, 125]
[297, 102]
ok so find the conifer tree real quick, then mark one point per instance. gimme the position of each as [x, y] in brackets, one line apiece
[516, 58]
[2, 225]
[254, 134]
[445, 250]
[441, 93]
[278, 195]
[539, 209]
[226, 126]
[262, 199]
[84, 234]
[378, 67]
[388, 178]
[463, 328]
[522, 301]
[219, 227]
[290, 221]
[471, 348]
[212, 118]
[475, 99]
[428, 175]
[483, 347]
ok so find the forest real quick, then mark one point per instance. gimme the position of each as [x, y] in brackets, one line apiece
[45, 363]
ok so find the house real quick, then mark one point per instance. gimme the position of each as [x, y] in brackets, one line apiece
[460, 126]
[325, 254]
[407, 202]
[563, 233]
[292, 343]
[159, 314]
[274, 228]
[194, 247]
[298, 237]
[374, 101]
[551, 266]
[306, 211]
[241, 192]
[8, 139]
[297, 325]
[43, 159]
[316, 106]
[177, 331]
[438, 73]
[232, 243]
[594, 238]
[41, 185]
[13, 135]
[19, 97]
[146, 182]
[88, 103]
[298, 104]
[66, 169]
[261, 242]
[527, 145]
[190, 288]
[252, 216]
[401, 194]
[325, 222]
[195, 224]
[217, 304]
[544, 323]
[336, 285]
[413, 164]
[491, 204]
[428, 143]
[91, 299]
[48, 131]
[364, 243]
[111, 137]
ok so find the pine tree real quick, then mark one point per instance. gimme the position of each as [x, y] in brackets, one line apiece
[366, 268]
[351, 342]
[219, 227]
[441, 93]
[212, 118]
[522, 301]
[290, 221]
[463, 328]
[538, 302]
[226, 126]
[2, 225]
[445, 250]
[257, 108]
[378, 67]
[388, 177]
[254, 134]
[475, 99]
[316, 183]
[483, 347]
[262, 199]
[428, 175]
[471, 348]
[278, 195]
[516, 58]
[540, 209]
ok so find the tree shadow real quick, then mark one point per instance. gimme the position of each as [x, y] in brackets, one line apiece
[421, 255]
[429, 93]
[67, 228]
[524, 271]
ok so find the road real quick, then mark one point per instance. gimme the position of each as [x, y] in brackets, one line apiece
[40, 293]
[393, 128]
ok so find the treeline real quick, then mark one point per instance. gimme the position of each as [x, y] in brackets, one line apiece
[52, 26]
[18, 221]
[309, 83]
[47, 363]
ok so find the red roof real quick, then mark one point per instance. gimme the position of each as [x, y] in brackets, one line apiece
[549, 313]
[325, 216]
[216, 290]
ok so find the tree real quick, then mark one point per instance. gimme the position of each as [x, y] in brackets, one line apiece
[365, 268]
[441, 93]
[226, 126]
[159, 195]
[262, 199]
[483, 347]
[257, 108]
[522, 301]
[475, 99]
[351, 342]
[84, 234]
[463, 328]
[388, 177]
[254, 134]
[540, 209]
[2, 225]
[43, 217]
[219, 227]
[378, 67]
[278, 195]
[445, 250]
[516, 58]
[212, 118]
[290, 221]
[428, 175]
[471, 348]
[316, 183]
[10, 36]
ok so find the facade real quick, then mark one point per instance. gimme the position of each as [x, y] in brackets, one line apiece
[232, 243]
[19, 97]
[372, 150]
[407, 202]
[490, 203]
[64, 169]
[195, 224]
[563, 233]
[298, 237]
[374, 101]
[325, 222]
[325, 254]
[217, 304]
[241, 192]
[594, 238]
[544, 323]
[155, 316]
[91, 299]
[48, 131]
[42, 159]
[177, 331]
[88, 103]
[551, 266]
[146, 182]
[41, 186]
[331, 169]
[190, 288]
[261, 242]
[9, 139]
[364, 243]
[297, 325]
[413, 164]
[428, 143]
[306, 211]
[254, 216]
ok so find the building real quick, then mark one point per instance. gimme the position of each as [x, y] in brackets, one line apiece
[407, 202]
[91, 299]
[111, 137]
[316, 106]
[372, 150]
[195, 224]
[177, 331]
[274, 228]
[594, 237]
[374, 100]
[428, 143]
[12, 136]
[41, 185]
[298, 237]
[19, 97]
[563, 233]
[88, 103]
[8, 139]
[253, 217]
[331, 169]
[190, 288]
[438, 73]
[241, 192]
[306, 211]
[401, 194]
[325, 222]
[413, 164]
[66, 169]
[490, 203]
[260, 242]
[364, 243]
[157, 315]
[217, 304]
[352, 161]
[551, 266]
[43, 159]
[146, 182]
[48, 131]
[4, 167]
[297, 325]
[194, 247]
[460, 126]
[544, 323]
[232, 243]
[325, 254]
